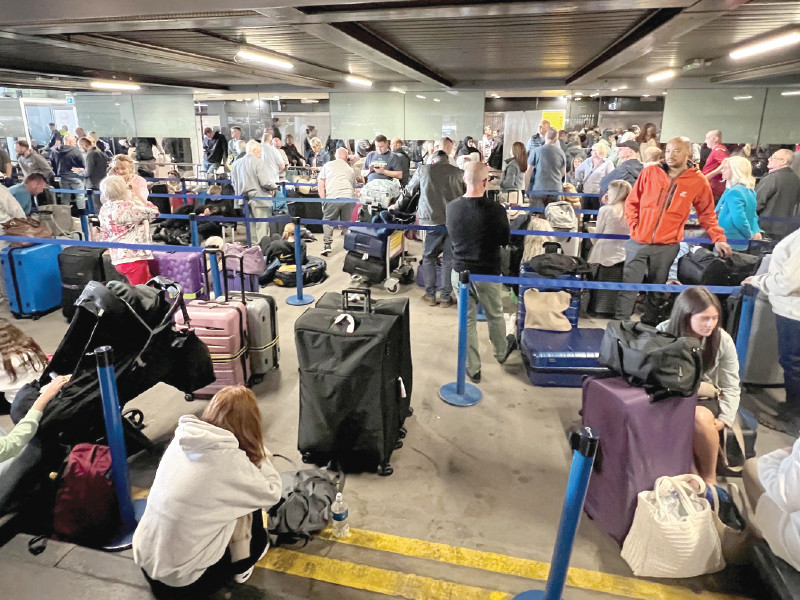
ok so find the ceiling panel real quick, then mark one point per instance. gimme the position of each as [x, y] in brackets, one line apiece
[541, 46]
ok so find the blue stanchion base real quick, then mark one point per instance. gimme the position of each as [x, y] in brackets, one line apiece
[123, 539]
[449, 393]
[296, 301]
[530, 595]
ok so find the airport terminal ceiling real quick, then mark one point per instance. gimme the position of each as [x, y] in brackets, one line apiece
[593, 45]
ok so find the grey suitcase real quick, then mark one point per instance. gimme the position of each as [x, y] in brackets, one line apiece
[761, 367]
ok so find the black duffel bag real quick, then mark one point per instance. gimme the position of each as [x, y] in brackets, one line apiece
[741, 266]
[702, 267]
[662, 363]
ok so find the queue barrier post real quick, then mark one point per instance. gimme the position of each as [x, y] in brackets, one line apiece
[216, 282]
[85, 226]
[246, 214]
[749, 294]
[584, 443]
[193, 228]
[461, 393]
[298, 299]
[90, 201]
[130, 511]
[184, 195]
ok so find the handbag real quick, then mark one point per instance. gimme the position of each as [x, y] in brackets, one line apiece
[249, 259]
[545, 310]
[674, 533]
[26, 227]
[664, 364]
[735, 541]
[733, 449]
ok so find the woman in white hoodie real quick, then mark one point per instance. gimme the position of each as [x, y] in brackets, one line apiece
[212, 483]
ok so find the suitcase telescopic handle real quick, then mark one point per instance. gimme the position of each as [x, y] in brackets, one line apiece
[364, 292]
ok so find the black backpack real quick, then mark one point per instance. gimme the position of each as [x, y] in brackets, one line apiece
[553, 265]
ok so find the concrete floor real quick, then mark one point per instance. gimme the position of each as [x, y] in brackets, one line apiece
[489, 477]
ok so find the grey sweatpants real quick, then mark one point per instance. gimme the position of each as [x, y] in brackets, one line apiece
[644, 263]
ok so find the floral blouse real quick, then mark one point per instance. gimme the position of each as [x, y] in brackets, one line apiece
[127, 222]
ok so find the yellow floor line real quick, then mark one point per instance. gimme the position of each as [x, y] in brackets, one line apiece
[372, 579]
[615, 585]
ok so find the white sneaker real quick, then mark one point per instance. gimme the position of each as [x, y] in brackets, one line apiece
[243, 577]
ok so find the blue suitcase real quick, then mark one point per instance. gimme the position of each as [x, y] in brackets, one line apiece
[367, 240]
[571, 313]
[32, 279]
[561, 359]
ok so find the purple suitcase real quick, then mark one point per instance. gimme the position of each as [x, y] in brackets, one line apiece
[235, 281]
[640, 441]
[185, 268]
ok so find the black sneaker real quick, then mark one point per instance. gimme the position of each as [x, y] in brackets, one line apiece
[326, 250]
[512, 345]
[475, 378]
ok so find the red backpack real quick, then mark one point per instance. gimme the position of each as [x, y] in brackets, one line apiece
[86, 509]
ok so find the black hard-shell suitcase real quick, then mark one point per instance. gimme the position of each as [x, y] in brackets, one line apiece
[350, 388]
[394, 306]
[78, 266]
[307, 210]
[604, 302]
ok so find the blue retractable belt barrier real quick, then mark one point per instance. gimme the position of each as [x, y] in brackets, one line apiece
[193, 228]
[298, 299]
[584, 445]
[130, 511]
[461, 393]
[599, 285]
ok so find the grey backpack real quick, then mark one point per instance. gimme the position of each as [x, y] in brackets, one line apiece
[305, 506]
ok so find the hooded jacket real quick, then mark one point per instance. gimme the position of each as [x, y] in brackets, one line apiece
[65, 158]
[203, 484]
[658, 206]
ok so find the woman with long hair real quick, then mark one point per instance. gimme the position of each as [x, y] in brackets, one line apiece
[514, 173]
[736, 209]
[611, 219]
[203, 522]
[124, 166]
[648, 137]
[696, 314]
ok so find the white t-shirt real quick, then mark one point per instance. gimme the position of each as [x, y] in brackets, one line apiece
[340, 179]
[272, 158]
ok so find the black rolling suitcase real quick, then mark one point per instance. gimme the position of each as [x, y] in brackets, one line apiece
[78, 266]
[394, 306]
[350, 387]
[372, 269]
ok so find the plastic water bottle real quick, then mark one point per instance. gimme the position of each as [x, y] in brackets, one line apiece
[339, 509]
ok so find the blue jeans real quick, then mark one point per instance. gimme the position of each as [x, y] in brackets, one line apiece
[789, 357]
[437, 242]
[210, 169]
[72, 182]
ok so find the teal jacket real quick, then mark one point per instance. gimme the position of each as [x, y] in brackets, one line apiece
[736, 214]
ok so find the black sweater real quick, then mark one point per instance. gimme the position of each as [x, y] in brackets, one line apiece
[478, 228]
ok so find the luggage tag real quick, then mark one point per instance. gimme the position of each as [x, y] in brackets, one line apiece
[346, 322]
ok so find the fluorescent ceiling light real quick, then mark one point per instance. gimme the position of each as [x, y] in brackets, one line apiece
[645, 95]
[436, 100]
[579, 93]
[494, 95]
[308, 101]
[43, 101]
[614, 89]
[358, 81]
[264, 59]
[595, 95]
[742, 97]
[114, 85]
[420, 97]
[661, 76]
[773, 43]
[793, 93]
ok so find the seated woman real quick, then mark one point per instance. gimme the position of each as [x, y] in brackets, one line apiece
[696, 314]
[203, 520]
[736, 209]
[13, 443]
[22, 359]
[773, 488]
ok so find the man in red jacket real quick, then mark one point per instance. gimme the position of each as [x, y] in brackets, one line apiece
[656, 211]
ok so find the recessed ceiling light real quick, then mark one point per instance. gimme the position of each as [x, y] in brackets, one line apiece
[663, 93]
[645, 95]
[792, 93]
[420, 97]
[661, 76]
[436, 100]
[114, 85]
[579, 93]
[358, 81]
[742, 97]
[595, 95]
[495, 95]
[774, 43]
[614, 89]
[264, 59]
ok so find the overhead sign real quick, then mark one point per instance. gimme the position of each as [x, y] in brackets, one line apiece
[556, 118]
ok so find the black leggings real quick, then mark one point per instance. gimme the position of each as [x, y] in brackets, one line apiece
[217, 574]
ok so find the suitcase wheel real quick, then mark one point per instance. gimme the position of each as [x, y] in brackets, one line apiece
[392, 285]
[402, 433]
[398, 444]
[188, 397]
[255, 380]
[385, 470]
[307, 458]
[410, 411]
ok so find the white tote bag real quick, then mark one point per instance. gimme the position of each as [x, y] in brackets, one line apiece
[673, 532]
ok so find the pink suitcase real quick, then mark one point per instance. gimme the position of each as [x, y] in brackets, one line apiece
[222, 326]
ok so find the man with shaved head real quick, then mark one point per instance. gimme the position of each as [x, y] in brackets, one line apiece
[656, 211]
[778, 194]
[713, 167]
[336, 180]
[537, 139]
[478, 228]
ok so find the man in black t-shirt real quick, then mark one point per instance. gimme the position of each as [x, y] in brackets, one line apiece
[382, 163]
[478, 228]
